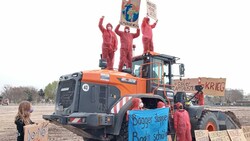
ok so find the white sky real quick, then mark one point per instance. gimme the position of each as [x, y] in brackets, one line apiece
[42, 40]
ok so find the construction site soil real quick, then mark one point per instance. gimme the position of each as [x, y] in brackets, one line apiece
[56, 133]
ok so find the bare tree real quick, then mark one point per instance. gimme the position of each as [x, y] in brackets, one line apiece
[232, 95]
[18, 94]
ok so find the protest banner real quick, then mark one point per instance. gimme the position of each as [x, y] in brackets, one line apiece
[130, 13]
[148, 125]
[151, 10]
[219, 136]
[211, 86]
[236, 135]
[36, 132]
[201, 135]
[246, 131]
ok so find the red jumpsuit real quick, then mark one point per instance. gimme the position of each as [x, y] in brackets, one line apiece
[200, 98]
[136, 105]
[109, 45]
[147, 35]
[182, 125]
[126, 46]
[161, 105]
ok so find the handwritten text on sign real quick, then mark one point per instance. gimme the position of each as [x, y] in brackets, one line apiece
[211, 86]
[201, 135]
[219, 136]
[148, 125]
[151, 10]
[236, 135]
[246, 131]
[36, 132]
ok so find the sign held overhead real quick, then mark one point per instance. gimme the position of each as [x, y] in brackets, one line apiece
[130, 13]
[151, 10]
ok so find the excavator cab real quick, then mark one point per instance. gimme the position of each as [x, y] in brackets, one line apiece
[158, 71]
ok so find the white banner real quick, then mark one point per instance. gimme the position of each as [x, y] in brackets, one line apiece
[151, 10]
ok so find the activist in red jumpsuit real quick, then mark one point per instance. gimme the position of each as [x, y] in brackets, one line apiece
[137, 104]
[161, 104]
[126, 46]
[147, 35]
[182, 124]
[109, 45]
[200, 98]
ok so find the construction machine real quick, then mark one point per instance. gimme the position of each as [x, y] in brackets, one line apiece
[94, 103]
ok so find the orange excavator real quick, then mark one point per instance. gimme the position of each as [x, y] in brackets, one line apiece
[94, 103]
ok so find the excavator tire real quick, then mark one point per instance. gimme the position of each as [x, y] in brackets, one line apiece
[208, 121]
[123, 136]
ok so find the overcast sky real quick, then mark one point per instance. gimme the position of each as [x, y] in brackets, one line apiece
[41, 40]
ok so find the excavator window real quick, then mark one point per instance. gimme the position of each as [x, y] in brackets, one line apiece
[157, 71]
[137, 67]
[166, 74]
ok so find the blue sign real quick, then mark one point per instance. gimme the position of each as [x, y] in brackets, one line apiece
[148, 125]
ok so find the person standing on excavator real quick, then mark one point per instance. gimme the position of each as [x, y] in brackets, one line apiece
[109, 45]
[147, 35]
[126, 39]
[199, 96]
[182, 124]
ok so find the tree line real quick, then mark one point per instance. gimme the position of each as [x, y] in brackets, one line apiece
[231, 97]
[18, 94]
[29, 93]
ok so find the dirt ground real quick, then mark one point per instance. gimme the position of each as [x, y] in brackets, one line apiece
[8, 128]
[57, 133]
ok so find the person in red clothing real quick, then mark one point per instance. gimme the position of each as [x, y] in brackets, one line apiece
[161, 104]
[182, 124]
[200, 98]
[126, 46]
[147, 35]
[109, 45]
[137, 104]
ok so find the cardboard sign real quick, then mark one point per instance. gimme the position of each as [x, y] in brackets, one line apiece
[219, 136]
[130, 13]
[151, 10]
[36, 132]
[148, 125]
[246, 131]
[201, 135]
[236, 135]
[211, 86]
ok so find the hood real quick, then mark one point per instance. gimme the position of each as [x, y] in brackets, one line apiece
[109, 24]
[136, 102]
[179, 105]
[161, 105]
[145, 20]
[126, 27]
